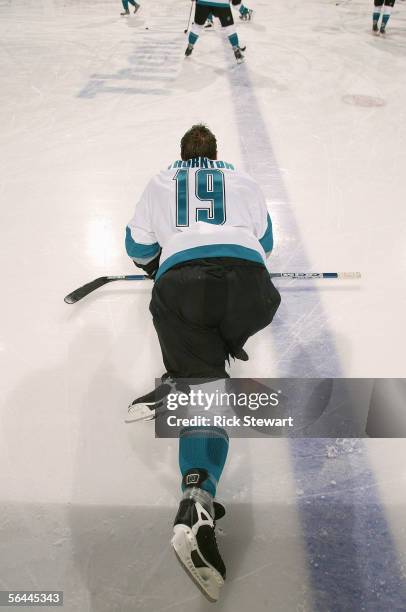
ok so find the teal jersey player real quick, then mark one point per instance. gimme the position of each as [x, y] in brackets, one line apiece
[246, 14]
[222, 10]
[125, 6]
[387, 6]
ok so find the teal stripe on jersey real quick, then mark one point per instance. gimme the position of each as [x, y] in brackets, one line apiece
[213, 3]
[212, 250]
[267, 239]
[138, 251]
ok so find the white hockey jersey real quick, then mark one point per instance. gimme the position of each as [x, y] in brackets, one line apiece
[197, 209]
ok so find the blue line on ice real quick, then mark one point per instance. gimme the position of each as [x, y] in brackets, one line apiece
[351, 555]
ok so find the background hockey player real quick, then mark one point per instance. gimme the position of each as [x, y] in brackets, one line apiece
[202, 229]
[245, 15]
[220, 9]
[125, 6]
[387, 6]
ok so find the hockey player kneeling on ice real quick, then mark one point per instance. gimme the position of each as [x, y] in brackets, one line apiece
[203, 231]
[220, 9]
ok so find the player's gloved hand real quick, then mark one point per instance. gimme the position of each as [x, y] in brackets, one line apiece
[151, 268]
[235, 2]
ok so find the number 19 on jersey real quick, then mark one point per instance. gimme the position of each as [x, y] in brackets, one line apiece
[209, 188]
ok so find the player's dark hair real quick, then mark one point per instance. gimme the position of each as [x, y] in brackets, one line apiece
[198, 142]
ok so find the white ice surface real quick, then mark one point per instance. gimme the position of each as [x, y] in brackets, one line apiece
[92, 105]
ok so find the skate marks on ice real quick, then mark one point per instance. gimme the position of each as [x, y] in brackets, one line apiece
[363, 100]
[349, 544]
[196, 75]
[151, 63]
[105, 558]
[304, 346]
[84, 453]
[347, 536]
[118, 558]
[392, 43]
[260, 537]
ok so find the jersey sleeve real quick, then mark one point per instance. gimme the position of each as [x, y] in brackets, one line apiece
[267, 239]
[263, 221]
[140, 241]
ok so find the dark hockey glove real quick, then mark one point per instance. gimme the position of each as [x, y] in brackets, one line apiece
[235, 2]
[151, 268]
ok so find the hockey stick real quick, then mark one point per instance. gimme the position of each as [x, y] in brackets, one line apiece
[307, 275]
[83, 291]
[190, 16]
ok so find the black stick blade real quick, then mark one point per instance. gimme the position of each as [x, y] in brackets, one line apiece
[83, 291]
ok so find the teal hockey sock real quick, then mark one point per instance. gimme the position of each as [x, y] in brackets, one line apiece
[192, 38]
[202, 455]
[385, 18]
[234, 42]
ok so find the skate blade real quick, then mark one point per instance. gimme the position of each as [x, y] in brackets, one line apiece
[140, 413]
[207, 579]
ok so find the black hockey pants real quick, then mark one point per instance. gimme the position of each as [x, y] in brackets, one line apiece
[205, 310]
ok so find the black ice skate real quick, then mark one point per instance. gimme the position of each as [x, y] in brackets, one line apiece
[238, 55]
[127, 12]
[153, 404]
[189, 50]
[194, 539]
[375, 26]
[383, 29]
[136, 7]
